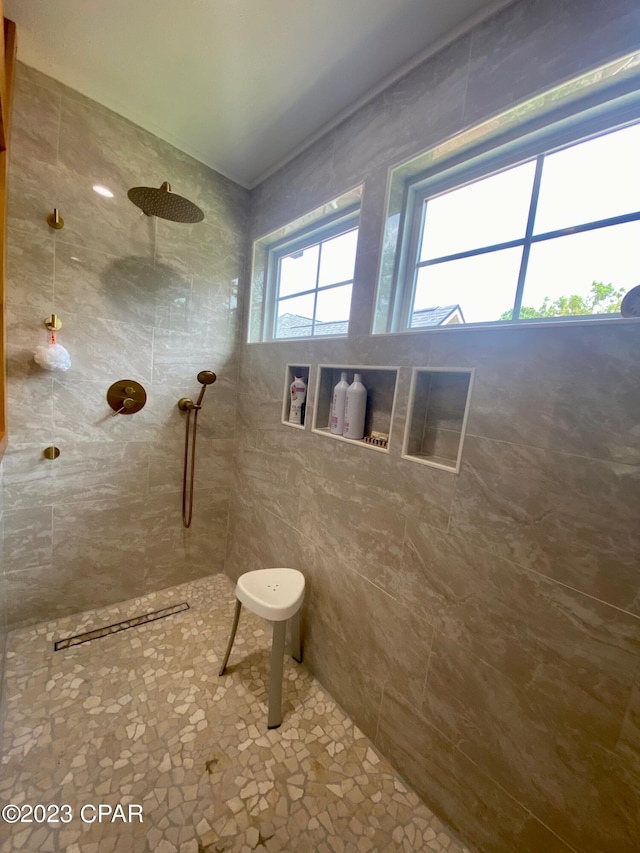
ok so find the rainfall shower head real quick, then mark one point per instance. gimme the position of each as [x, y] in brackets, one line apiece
[165, 204]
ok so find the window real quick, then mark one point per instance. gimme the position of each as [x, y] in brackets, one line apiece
[303, 275]
[540, 225]
[312, 282]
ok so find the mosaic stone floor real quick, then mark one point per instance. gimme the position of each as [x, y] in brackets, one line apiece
[141, 718]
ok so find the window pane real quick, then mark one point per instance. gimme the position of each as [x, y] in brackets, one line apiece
[568, 266]
[483, 286]
[590, 181]
[298, 271]
[294, 317]
[493, 210]
[332, 311]
[338, 258]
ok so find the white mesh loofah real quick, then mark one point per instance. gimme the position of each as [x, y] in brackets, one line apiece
[52, 357]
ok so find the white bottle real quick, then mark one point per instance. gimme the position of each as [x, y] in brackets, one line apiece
[298, 390]
[355, 409]
[337, 406]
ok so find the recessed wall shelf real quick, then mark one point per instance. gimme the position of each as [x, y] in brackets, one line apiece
[380, 383]
[437, 416]
[292, 371]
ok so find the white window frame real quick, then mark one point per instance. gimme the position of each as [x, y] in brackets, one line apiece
[588, 118]
[341, 223]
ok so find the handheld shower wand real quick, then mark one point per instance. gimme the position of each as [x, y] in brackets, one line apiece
[205, 377]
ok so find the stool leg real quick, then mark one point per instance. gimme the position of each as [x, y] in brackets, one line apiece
[296, 648]
[234, 628]
[275, 677]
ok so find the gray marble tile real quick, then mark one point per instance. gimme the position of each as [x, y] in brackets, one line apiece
[263, 370]
[83, 472]
[112, 287]
[457, 788]
[177, 354]
[107, 225]
[225, 204]
[259, 539]
[83, 414]
[208, 297]
[530, 387]
[106, 350]
[255, 415]
[35, 120]
[272, 472]
[29, 282]
[217, 419]
[106, 148]
[353, 528]
[216, 242]
[174, 554]
[542, 743]
[395, 486]
[342, 672]
[27, 539]
[382, 636]
[116, 297]
[28, 77]
[307, 183]
[214, 466]
[519, 622]
[544, 511]
[525, 49]
[392, 126]
[35, 595]
[32, 194]
[30, 406]
[96, 536]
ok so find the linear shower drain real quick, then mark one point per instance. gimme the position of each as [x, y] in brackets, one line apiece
[134, 622]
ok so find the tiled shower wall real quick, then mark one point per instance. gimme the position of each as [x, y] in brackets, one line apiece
[483, 629]
[139, 298]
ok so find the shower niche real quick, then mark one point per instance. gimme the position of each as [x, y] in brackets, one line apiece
[380, 383]
[437, 416]
[294, 371]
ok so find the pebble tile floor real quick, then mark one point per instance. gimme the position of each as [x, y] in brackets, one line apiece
[141, 717]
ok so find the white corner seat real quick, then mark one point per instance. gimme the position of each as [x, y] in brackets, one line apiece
[276, 595]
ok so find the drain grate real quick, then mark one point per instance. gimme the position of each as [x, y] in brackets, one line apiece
[87, 636]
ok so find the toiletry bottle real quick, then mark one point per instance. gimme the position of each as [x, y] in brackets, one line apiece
[298, 396]
[354, 409]
[337, 407]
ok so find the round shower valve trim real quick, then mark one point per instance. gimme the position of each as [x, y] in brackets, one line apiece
[126, 397]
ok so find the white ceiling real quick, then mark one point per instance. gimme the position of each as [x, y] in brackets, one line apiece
[241, 85]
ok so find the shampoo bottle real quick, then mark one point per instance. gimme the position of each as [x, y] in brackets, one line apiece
[298, 395]
[355, 408]
[336, 424]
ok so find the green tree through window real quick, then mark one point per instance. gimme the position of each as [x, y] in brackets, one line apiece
[601, 299]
